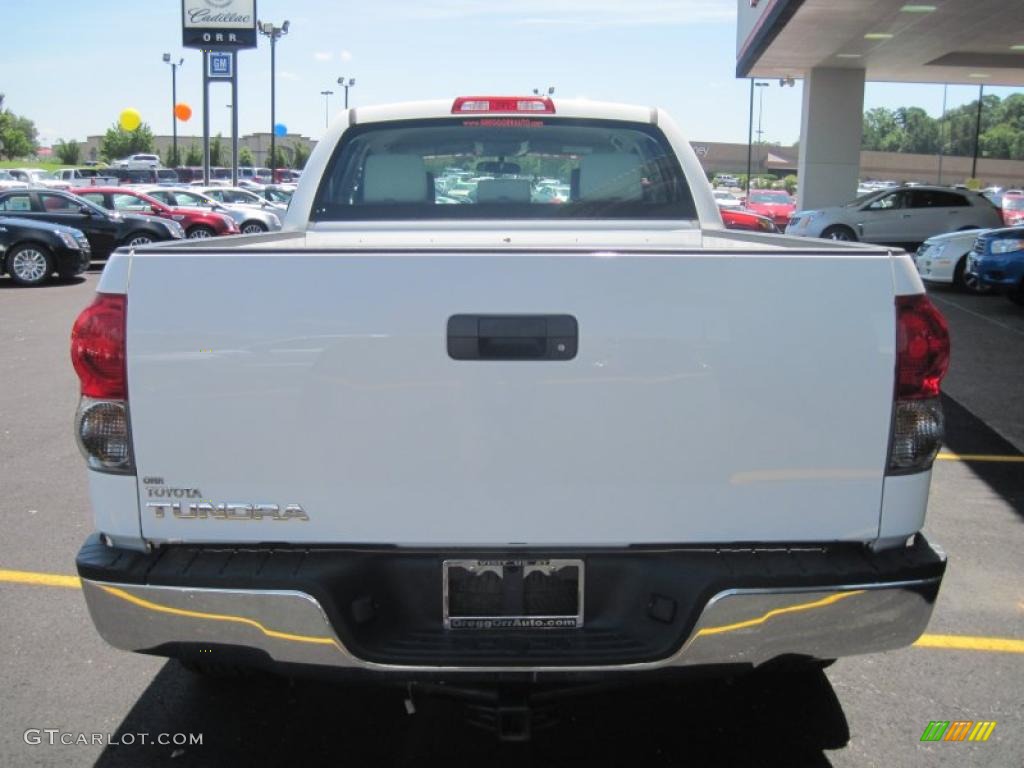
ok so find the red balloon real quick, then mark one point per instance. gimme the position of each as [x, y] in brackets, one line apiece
[182, 111]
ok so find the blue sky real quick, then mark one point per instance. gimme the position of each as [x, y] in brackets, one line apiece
[76, 67]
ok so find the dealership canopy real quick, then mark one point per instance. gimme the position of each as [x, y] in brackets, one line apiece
[836, 45]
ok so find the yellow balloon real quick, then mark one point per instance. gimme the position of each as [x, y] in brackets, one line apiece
[130, 119]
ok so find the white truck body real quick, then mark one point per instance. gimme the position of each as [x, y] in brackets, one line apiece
[676, 422]
[298, 390]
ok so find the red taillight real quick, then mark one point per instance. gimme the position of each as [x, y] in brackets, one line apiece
[922, 358]
[516, 104]
[922, 348]
[98, 348]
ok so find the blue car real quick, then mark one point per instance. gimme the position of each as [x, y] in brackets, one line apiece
[998, 261]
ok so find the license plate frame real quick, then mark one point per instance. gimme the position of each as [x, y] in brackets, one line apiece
[502, 567]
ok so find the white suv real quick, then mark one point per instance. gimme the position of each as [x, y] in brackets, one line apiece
[902, 215]
[140, 161]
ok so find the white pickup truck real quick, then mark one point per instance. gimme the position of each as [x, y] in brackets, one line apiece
[506, 440]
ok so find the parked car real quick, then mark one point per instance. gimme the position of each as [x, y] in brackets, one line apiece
[1012, 205]
[31, 251]
[189, 173]
[726, 199]
[286, 176]
[943, 259]
[37, 177]
[280, 194]
[250, 219]
[106, 230]
[198, 223]
[7, 181]
[737, 218]
[80, 177]
[143, 175]
[776, 204]
[239, 196]
[254, 174]
[546, 193]
[137, 161]
[900, 216]
[998, 262]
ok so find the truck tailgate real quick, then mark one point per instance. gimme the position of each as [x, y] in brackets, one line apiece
[713, 398]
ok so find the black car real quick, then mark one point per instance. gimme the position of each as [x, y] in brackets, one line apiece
[31, 251]
[106, 230]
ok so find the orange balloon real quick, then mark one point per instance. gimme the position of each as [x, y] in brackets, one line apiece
[182, 111]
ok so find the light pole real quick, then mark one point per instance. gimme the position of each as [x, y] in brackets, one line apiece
[274, 33]
[977, 132]
[327, 98]
[760, 111]
[346, 84]
[174, 104]
[942, 130]
[750, 130]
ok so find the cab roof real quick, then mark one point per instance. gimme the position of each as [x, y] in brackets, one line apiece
[563, 108]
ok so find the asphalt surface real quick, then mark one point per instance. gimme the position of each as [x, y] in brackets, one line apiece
[56, 673]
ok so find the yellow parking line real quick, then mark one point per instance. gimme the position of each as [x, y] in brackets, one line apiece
[949, 642]
[40, 579]
[967, 643]
[947, 456]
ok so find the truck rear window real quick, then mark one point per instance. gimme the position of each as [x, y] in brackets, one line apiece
[503, 168]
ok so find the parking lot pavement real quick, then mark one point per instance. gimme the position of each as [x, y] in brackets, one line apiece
[987, 365]
[863, 711]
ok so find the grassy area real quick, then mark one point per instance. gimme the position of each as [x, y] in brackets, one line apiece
[46, 165]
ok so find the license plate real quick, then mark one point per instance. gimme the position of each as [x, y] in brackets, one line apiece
[513, 594]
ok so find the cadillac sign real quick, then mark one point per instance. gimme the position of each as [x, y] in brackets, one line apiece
[218, 24]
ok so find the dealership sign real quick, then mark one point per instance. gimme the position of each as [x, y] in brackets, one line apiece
[219, 24]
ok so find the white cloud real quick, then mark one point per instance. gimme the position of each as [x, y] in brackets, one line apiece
[323, 55]
[346, 56]
[285, 75]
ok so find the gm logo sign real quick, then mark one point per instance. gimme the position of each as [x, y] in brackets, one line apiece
[220, 65]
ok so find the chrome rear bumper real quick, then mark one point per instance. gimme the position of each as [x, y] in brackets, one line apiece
[736, 626]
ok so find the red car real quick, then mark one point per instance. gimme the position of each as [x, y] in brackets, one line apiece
[197, 222]
[1013, 207]
[776, 204]
[737, 218]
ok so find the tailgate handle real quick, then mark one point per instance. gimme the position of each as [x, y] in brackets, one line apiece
[512, 337]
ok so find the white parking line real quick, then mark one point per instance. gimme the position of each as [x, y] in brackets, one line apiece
[980, 316]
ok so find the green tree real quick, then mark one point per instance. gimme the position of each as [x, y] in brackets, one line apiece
[194, 156]
[216, 150]
[118, 143]
[880, 132]
[69, 152]
[919, 131]
[281, 160]
[172, 159]
[299, 155]
[245, 156]
[18, 135]
[961, 123]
